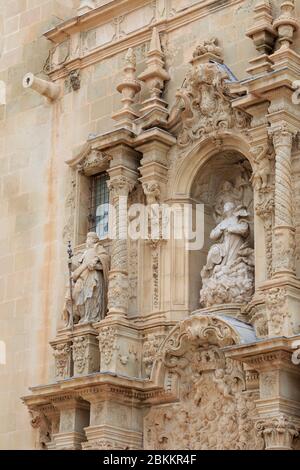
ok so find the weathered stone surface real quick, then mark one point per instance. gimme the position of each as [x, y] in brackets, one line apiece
[216, 123]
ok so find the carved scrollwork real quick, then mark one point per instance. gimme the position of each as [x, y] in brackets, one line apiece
[211, 390]
[203, 104]
[40, 422]
[94, 162]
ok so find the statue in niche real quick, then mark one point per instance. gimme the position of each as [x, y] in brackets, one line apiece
[228, 274]
[88, 300]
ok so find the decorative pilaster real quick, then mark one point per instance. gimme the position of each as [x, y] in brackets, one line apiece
[284, 231]
[262, 180]
[63, 359]
[85, 352]
[155, 144]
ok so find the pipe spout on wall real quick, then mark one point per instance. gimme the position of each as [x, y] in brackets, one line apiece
[43, 87]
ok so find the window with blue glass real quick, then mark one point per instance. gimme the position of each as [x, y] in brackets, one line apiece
[99, 205]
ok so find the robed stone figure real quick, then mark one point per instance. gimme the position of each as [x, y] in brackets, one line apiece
[88, 300]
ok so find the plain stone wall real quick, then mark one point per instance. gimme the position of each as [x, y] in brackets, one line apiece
[28, 212]
[36, 184]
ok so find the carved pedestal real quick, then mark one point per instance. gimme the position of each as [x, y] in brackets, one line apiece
[85, 350]
[120, 348]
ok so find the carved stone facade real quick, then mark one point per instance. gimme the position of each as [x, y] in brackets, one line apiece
[178, 327]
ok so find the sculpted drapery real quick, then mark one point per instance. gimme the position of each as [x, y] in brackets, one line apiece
[228, 274]
[90, 282]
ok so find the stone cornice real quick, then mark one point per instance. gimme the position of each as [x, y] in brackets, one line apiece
[267, 354]
[166, 22]
[96, 386]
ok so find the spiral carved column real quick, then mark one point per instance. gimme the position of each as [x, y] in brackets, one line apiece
[118, 290]
[284, 231]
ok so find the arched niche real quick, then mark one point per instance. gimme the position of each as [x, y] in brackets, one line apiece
[224, 177]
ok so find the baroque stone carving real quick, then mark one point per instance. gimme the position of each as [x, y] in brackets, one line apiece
[102, 444]
[107, 343]
[276, 310]
[211, 389]
[85, 355]
[279, 432]
[62, 356]
[263, 159]
[150, 349]
[228, 274]
[208, 46]
[203, 104]
[40, 421]
[87, 300]
[93, 162]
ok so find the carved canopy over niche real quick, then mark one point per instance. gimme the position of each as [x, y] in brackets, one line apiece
[211, 389]
[203, 104]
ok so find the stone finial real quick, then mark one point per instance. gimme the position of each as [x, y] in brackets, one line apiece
[262, 32]
[155, 75]
[43, 87]
[85, 6]
[129, 87]
[286, 24]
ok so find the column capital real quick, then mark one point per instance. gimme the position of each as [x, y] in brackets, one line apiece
[120, 185]
[278, 431]
[282, 134]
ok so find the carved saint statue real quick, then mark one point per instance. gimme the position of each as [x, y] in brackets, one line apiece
[89, 284]
[229, 271]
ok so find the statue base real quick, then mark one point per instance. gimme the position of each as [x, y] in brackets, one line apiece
[229, 310]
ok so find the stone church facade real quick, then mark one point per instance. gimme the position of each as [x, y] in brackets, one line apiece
[116, 116]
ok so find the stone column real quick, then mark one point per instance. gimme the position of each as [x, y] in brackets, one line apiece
[284, 231]
[118, 292]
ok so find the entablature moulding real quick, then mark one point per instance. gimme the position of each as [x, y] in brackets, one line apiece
[116, 26]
